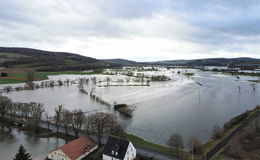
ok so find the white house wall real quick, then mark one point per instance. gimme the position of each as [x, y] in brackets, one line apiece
[105, 157]
[130, 152]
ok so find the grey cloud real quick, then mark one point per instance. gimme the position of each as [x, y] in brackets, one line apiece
[213, 24]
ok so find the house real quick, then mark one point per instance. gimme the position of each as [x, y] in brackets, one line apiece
[119, 149]
[74, 150]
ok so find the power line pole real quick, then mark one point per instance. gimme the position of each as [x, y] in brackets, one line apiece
[192, 149]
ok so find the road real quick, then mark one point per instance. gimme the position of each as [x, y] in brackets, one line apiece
[155, 154]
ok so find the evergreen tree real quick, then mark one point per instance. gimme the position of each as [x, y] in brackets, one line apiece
[22, 155]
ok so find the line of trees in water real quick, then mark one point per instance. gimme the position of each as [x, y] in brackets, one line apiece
[33, 115]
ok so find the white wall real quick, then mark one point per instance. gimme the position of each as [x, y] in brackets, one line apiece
[58, 155]
[131, 152]
[105, 157]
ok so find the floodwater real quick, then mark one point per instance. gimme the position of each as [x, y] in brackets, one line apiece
[38, 147]
[176, 106]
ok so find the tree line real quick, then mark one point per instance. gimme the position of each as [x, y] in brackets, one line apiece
[77, 121]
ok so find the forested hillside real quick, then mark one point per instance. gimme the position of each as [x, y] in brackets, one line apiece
[41, 60]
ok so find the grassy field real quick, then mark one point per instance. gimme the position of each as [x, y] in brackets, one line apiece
[137, 141]
[189, 74]
[10, 81]
[12, 55]
[20, 76]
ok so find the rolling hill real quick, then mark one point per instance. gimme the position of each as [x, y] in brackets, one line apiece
[41, 60]
[196, 62]
[120, 61]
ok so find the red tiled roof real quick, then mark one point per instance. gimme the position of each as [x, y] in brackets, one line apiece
[76, 148]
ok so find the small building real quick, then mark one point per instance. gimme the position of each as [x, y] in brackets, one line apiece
[215, 68]
[74, 150]
[23, 121]
[119, 149]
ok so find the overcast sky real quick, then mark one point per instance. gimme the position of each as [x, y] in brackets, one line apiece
[141, 30]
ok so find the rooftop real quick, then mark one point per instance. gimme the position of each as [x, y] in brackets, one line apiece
[116, 147]
[78, 147]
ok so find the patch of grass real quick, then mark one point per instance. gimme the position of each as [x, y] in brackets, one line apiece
[137, 141]
[189, 74]
[44, 75]
[10, 81]
[4, 59]
[12, 55]
[21, 77]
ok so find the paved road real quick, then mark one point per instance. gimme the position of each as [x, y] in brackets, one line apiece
[221, 144]
[155, 154]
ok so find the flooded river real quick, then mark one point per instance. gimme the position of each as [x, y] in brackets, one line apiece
[38, 147]
[176, 106]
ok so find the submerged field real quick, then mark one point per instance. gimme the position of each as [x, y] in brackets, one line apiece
[176, 106]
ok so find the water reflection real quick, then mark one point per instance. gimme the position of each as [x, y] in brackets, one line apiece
[5, 132]
[179, 105]
[12, 138]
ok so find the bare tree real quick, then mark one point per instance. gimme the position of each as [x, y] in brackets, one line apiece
[81, 83]
[36, 111]
[108, 79]
[60, 83]
[217, 132]
[93, 86]
[66, 119]
[67, 82]
[5, 103]
[94, 80]
[25, 110]
[176, 142]
[13, 109]
[47, 117]
[103, 123]
[29, 79]
[77, 120]
[57, 116]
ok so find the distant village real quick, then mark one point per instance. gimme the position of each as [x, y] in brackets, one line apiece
[254, 68]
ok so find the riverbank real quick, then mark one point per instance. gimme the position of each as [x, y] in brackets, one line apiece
[139, 142]
[216, 146]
